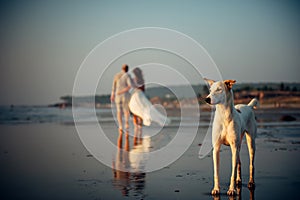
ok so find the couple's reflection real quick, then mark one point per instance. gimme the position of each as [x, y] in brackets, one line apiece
[129, 164]
[238, 196]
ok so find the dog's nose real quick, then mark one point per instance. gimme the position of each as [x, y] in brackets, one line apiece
[208, 100]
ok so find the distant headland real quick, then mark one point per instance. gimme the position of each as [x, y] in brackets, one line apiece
[270, 95]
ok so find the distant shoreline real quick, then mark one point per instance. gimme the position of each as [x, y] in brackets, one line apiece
[270, 95]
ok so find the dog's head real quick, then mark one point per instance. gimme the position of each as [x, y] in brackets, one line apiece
[219, 91]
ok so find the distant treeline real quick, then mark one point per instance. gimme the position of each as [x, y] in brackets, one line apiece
[293, 87]
[182, 92]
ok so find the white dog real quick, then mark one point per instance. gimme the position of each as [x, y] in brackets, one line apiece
[229, 126]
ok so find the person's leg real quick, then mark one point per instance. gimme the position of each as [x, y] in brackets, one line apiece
[140, 124]
[120, 140]
[126, 116]
[135, 123]
[120, 121]
[126, 113]
[119, 114]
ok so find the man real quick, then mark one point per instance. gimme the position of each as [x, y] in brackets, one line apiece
[120, 95]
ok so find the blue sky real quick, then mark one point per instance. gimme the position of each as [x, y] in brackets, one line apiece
[43, 43]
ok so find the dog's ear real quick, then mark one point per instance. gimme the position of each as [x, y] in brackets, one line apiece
[229, 83]
[209, 81]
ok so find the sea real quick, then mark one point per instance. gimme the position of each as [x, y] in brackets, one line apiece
[14, 115]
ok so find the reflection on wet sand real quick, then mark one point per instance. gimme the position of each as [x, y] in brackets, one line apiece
[129, 164]
[238, 196]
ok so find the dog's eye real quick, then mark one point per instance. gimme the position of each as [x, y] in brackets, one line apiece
[218, 89]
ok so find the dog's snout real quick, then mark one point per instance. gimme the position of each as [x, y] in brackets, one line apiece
[208, 100]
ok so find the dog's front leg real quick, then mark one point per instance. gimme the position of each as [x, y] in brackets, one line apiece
[216, 159]
[235, 154]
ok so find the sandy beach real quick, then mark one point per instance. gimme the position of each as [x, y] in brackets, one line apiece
[48, 161]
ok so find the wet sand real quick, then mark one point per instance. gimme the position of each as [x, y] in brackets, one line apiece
[48, 161]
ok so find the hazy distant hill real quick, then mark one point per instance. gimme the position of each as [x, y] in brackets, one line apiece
[181, 91]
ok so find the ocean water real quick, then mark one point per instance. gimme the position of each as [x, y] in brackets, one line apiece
[14, 115]
[42, 114]
[37, 114]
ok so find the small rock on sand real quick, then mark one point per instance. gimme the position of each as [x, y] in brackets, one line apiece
[287, 118]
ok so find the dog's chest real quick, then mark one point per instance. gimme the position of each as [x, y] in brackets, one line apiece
[225, 132]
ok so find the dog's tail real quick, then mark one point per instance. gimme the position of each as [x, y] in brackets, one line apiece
[253, 103]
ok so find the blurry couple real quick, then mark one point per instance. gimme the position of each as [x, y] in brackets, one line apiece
[136, 103]
[129, 164]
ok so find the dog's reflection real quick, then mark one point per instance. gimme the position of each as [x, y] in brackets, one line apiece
[129, 165]
[238, 195]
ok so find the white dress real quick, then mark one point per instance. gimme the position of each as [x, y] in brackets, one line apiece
[142, 107]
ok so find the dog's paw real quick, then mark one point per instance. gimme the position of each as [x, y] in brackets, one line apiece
[238, 183]
[215, 191]
[231, 192]
[251, 185]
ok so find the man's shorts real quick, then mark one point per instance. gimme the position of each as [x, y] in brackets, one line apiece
[122, 102]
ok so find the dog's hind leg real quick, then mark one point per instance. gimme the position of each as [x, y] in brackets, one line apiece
[251, 149]
[239, 176]
[239, 167]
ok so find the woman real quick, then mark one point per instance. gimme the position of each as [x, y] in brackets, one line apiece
[139, 85]
[144, 112]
